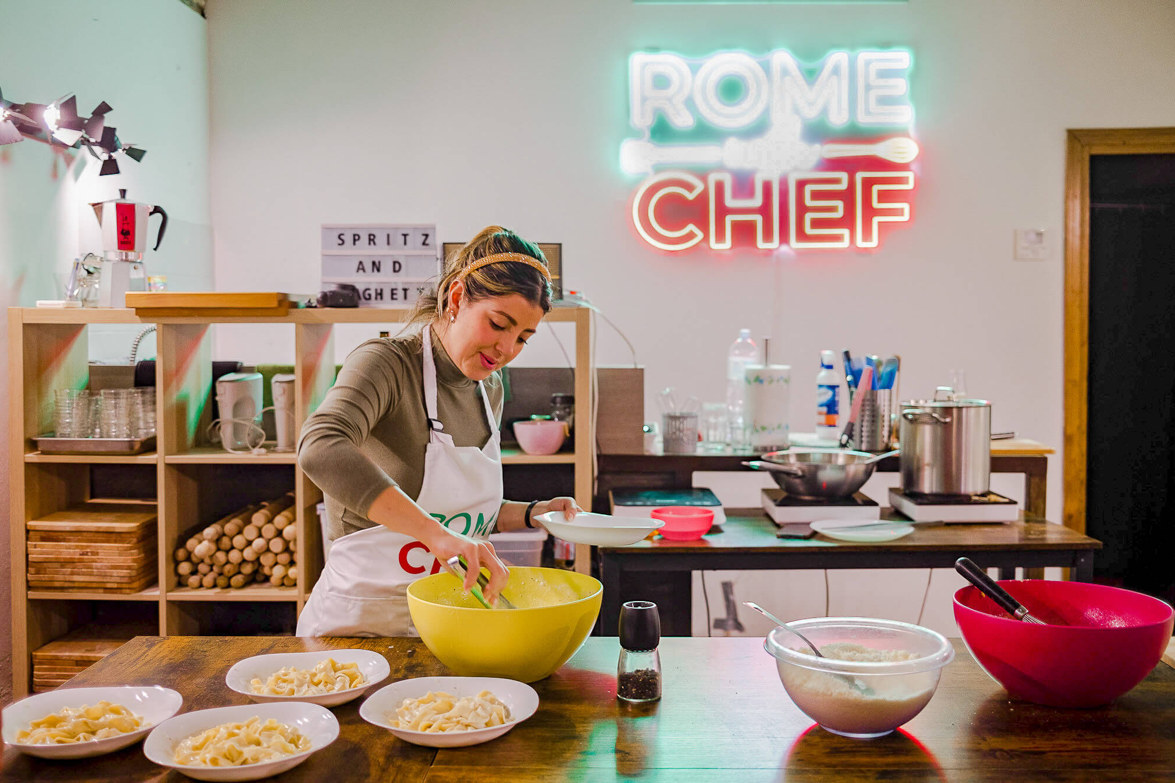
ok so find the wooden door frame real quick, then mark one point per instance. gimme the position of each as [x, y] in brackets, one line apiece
[1081, 145]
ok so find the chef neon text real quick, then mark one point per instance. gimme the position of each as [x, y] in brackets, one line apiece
[744, 151]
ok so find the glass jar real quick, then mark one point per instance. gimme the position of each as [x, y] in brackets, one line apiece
[563, 409]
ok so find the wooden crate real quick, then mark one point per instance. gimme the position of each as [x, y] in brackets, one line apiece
[97, 546]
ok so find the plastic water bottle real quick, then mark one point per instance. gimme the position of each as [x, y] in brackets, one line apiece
[743, 352]
[827, 398]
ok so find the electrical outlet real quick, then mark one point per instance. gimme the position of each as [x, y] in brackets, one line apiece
[1030, 244]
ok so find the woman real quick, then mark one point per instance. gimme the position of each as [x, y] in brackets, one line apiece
[406, 444]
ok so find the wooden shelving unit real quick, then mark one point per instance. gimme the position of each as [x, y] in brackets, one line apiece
[48, 349]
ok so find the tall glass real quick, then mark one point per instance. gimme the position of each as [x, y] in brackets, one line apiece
[71, 413]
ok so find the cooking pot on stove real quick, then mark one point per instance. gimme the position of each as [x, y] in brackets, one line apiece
[946, 445]
[819, 474]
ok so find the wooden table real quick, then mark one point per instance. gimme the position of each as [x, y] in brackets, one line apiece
[659, 570]
[724, 717]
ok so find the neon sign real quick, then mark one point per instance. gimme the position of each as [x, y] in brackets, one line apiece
[765, 152]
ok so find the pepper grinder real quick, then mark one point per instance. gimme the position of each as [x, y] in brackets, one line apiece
[638, 673]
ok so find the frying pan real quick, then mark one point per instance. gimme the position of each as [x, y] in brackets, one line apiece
[819, 474]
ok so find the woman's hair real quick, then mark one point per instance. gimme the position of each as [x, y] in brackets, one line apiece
[490, 280]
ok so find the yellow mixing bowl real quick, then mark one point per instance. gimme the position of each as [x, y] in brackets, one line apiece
[556, 612]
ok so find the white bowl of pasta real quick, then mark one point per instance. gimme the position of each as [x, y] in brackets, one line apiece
[324, 677]
[246, 742]
[54, 725]
[450, 712]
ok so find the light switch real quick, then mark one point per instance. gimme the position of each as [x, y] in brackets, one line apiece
[1030, 244]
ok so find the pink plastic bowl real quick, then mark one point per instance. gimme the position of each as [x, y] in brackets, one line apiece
[540, 436]
[683, 523]
[1109, 639]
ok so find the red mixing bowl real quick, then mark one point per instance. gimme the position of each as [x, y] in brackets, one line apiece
[683, 523]
[1099, 643]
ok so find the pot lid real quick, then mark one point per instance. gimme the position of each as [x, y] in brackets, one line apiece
[946, 404]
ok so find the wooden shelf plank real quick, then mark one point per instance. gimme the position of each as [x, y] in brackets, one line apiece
[214, 455]
[518, 457]
[250, 593]
[147, 458]
[150, 594]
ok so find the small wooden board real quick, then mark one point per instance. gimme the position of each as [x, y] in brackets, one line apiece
[60, 660]
[97, 516]
[204, 304]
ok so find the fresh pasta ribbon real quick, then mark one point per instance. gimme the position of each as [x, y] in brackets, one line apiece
[239, 744]
[438, 711]
[81, 724]
[328, 676]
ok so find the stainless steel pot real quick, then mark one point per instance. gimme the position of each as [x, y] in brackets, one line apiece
[946, 445]
[819, 474]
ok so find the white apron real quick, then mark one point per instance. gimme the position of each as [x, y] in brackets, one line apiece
[362, 589]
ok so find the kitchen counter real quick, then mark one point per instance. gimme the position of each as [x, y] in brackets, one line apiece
[724, 716]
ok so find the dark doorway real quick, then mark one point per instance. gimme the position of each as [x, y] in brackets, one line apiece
[1130, 457]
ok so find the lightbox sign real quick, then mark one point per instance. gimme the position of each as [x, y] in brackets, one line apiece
[738, 150]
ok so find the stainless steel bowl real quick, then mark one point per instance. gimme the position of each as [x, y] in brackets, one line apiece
[819, 474]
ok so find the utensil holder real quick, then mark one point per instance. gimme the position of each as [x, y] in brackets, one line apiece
[679, 433]
[874, 425]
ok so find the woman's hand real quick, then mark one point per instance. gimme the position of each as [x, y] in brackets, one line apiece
[567, 505]
[445, 543]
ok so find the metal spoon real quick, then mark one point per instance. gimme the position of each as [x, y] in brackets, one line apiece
[782, 625]
[853, 681]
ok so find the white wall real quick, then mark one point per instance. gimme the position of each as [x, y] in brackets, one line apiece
[469, 113]
[148, 60]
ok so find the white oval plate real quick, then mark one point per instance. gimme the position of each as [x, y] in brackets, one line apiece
[317, 723]
[150, 702]
[153, 703]
[373, 666]
[598, 529]
[380, 708]
[862, 532]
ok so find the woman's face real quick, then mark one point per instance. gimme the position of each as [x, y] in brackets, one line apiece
[487, 334]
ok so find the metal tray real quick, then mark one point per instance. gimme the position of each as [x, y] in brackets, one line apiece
[48, 444]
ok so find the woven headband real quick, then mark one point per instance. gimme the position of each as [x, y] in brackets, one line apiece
[502, 258]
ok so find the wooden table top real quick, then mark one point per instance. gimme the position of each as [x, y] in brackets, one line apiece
[751, 529]
[724, 716]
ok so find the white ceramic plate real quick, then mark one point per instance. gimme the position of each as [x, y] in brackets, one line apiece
[862, 532]
[373, 666]
[150, 702]
[598, 529]
[317, 723]
[380, 708]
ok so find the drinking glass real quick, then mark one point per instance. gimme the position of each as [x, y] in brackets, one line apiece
[714, 428]
[71, 413]
[116, 412]
[143, 416]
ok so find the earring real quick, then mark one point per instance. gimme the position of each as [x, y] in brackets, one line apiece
[452, 319]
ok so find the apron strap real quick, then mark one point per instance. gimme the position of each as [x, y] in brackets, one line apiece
[430, 390]
[430, 383]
